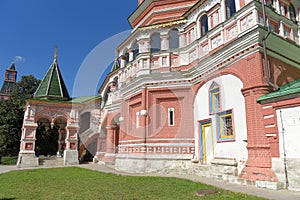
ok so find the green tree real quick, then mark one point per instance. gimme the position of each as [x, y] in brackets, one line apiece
[46, 139]
[25, 89]
[12, 113]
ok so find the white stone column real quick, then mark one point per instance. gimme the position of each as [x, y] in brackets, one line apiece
[123, 61]
[223, 11]
[164, 42]
[281, 29]
[27, 112]
[209, 22]
[168, 61]
[255, 16]
[131, 54]
[160, 62]
[282, 12]
[182, 40]
[277, 6]
[198, 29]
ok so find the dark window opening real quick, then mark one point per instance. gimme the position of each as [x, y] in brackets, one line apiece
[173, 39]
[230, 8]
[204, 25]
[155, 42]
[292, 12]
[171, 117]
[136, 50]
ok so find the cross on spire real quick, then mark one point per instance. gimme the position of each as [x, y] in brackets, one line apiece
[55, 55]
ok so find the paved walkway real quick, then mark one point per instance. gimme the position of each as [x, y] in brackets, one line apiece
[269, 194]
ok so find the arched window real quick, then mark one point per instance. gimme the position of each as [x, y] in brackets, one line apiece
[230, 8]
[136, 50]
[292, 12]
[204, 25]
[173, 39]
[10, 76]
[43, 122]
[155, 42]
[116, 80]
[127, 57]
[214, 98]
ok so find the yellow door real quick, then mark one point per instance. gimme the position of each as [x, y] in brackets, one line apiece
[206, 142]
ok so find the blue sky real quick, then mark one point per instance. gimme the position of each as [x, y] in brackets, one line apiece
[30, 30]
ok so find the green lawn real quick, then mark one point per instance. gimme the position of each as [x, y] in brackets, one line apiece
[77, 183]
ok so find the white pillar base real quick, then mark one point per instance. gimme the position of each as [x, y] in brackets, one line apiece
[71, 157]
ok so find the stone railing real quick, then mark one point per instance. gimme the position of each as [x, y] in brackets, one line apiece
[242, 22]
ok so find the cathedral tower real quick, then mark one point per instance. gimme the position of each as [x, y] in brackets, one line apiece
[9, 82]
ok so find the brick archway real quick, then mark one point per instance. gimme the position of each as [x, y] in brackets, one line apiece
[112, 137]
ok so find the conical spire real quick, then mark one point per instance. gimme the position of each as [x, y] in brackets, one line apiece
[12, 66]
[53, 85]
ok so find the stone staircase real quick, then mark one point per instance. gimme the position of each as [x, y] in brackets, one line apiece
[51, 161]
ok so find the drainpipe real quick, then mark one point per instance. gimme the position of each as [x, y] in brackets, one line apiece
[284, 154]
[264, 40]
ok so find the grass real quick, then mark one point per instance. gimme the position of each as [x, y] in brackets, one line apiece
[77, 183]
[9, 160]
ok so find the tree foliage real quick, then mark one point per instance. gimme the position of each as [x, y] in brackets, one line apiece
[12, 113]
[25, 89]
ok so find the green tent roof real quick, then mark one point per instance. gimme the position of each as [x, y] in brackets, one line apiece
[84, 99]
[52, 85]
[286, 91]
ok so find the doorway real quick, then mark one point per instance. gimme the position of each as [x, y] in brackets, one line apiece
[206, 142]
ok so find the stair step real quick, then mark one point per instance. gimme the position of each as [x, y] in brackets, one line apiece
[51, 161]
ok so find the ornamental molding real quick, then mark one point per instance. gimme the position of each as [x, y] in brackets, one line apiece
[201, 9]
[163, 25]
[52, 114]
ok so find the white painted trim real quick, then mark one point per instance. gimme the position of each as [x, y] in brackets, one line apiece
[158, 139]
[270, 126]
[110, 154]
[155, 156]
[268, 116]
[266, 107]
[158, 145]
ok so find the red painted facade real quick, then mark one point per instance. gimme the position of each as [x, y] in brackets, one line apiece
[139, 120]
[152, 103]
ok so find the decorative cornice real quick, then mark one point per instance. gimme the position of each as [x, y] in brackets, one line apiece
[163, 25]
